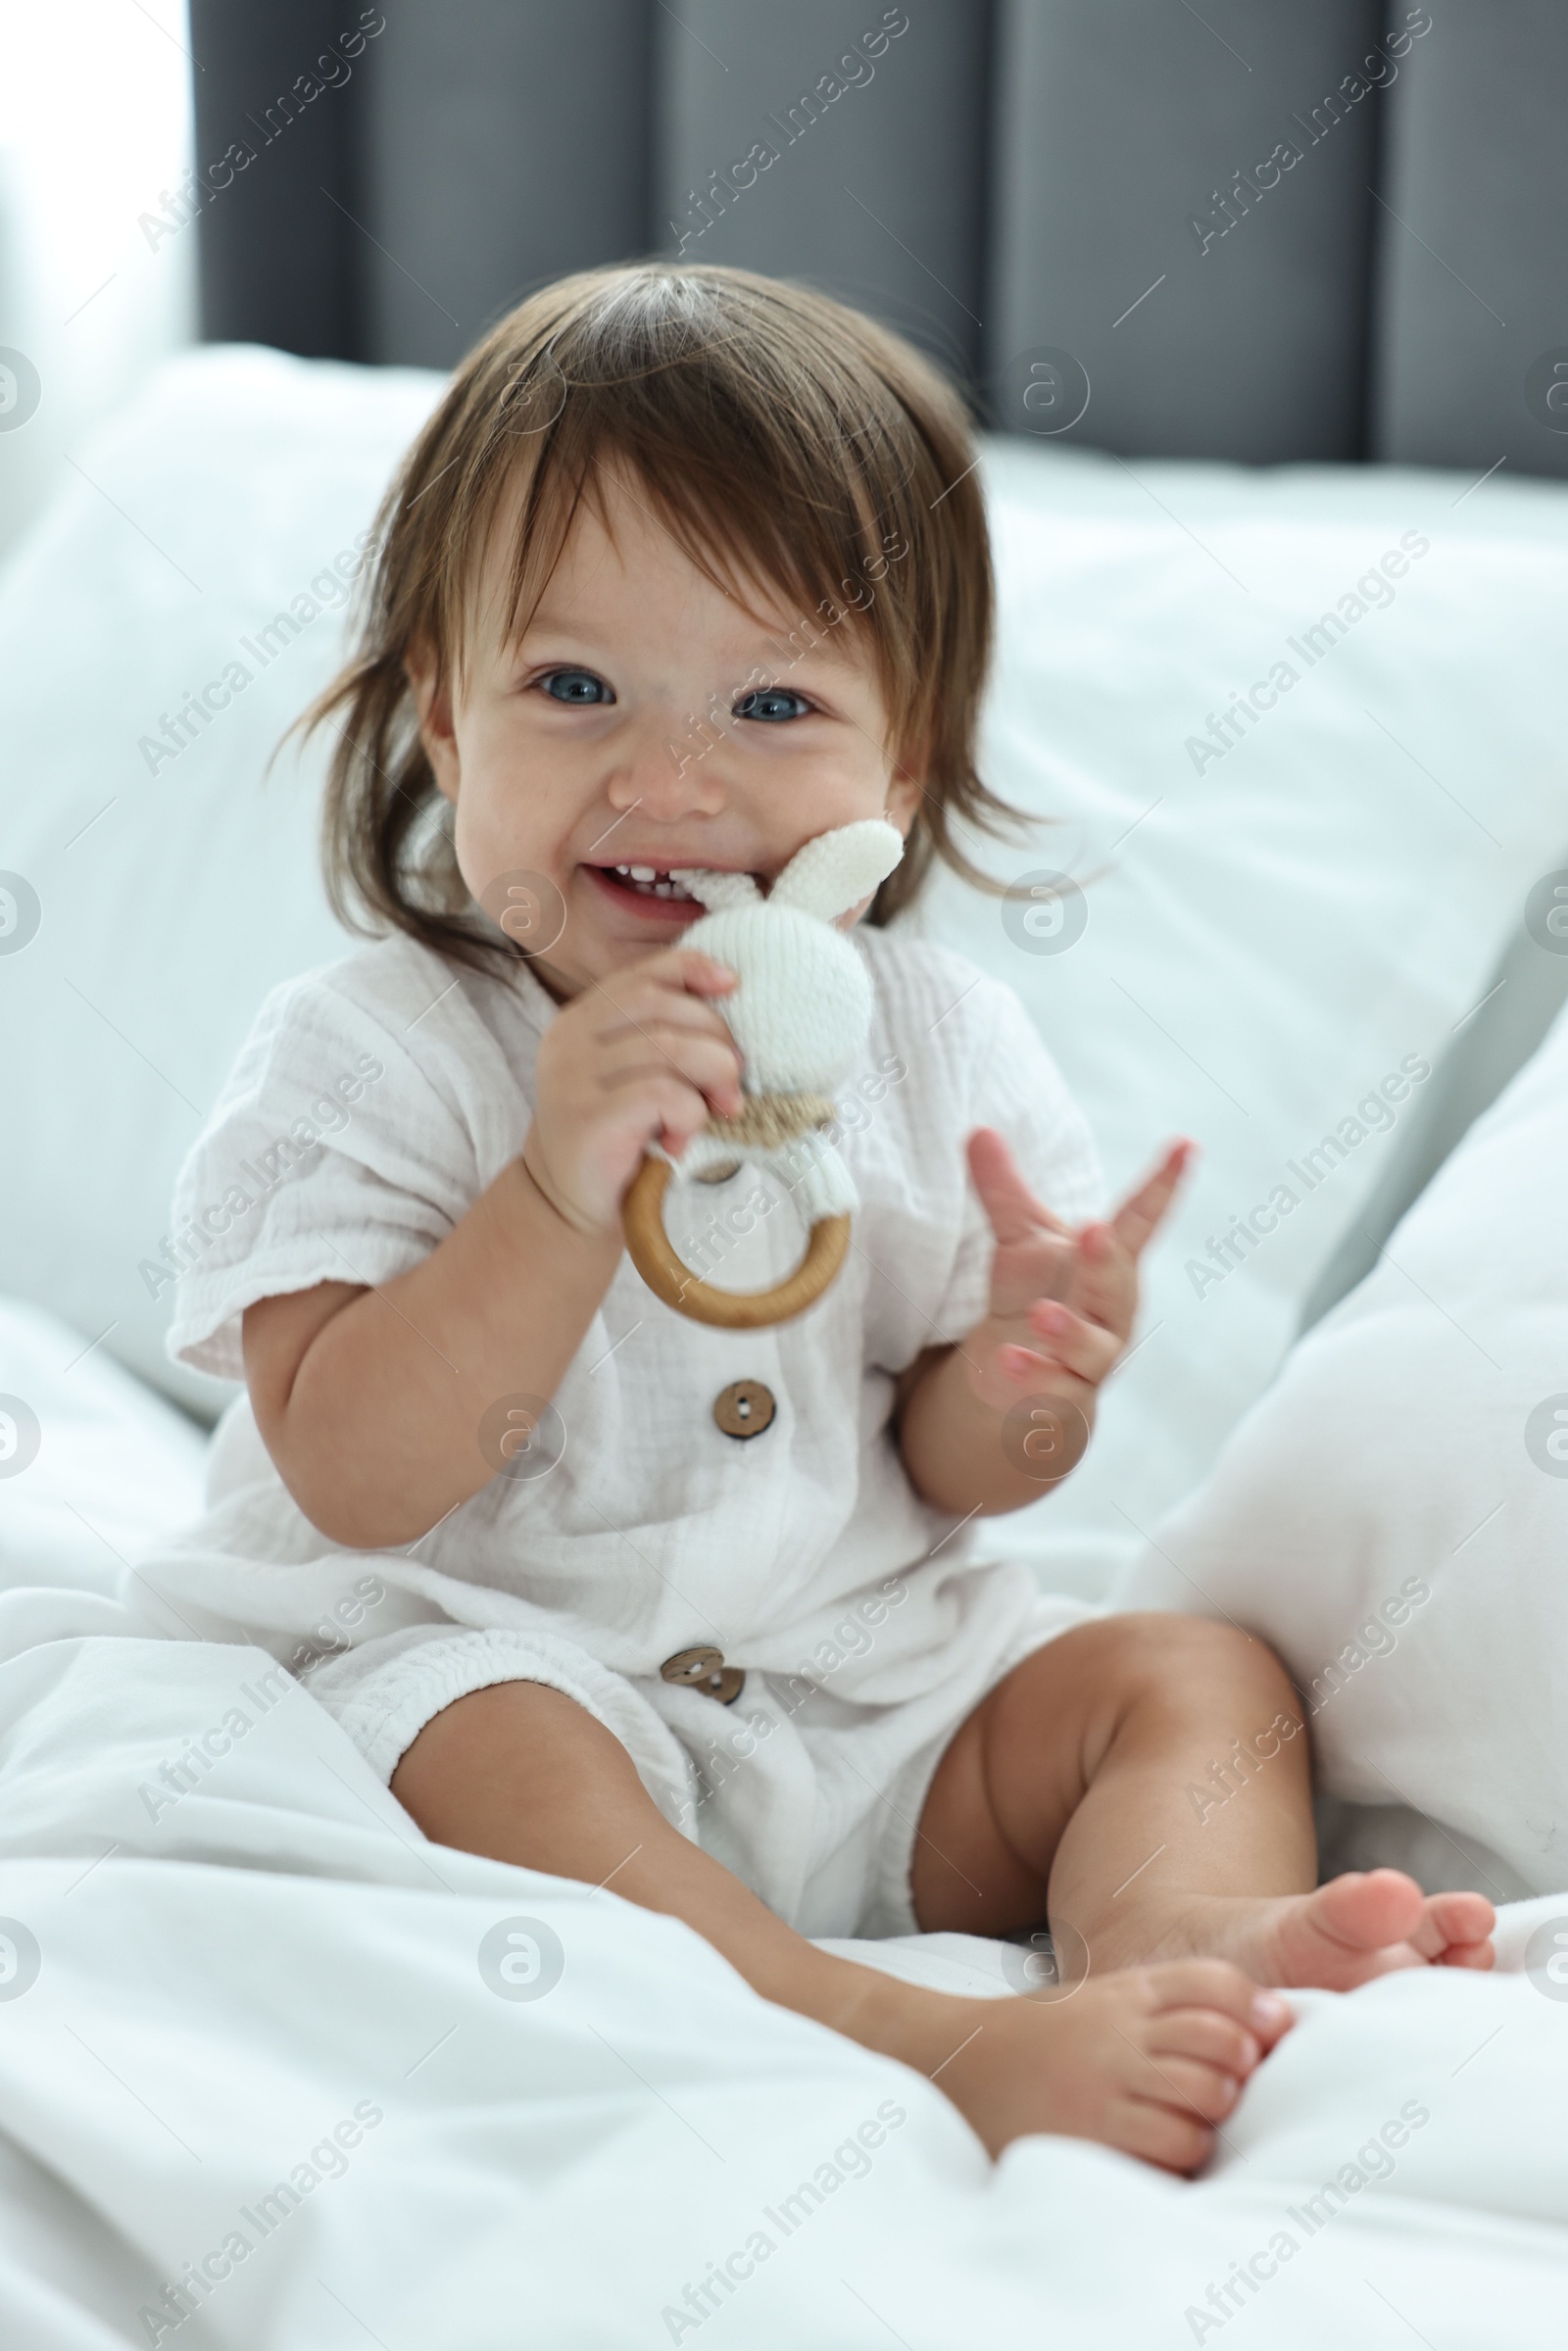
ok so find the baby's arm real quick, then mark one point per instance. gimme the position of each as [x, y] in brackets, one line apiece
[370, 1400]
[1062, 1306]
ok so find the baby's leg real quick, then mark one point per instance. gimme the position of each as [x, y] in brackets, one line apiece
[1153, 1773]
[1145, 2060]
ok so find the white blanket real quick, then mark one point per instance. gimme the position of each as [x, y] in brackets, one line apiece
[273, 2057]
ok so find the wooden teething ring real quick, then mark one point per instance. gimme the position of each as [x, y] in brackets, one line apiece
[649, 1246]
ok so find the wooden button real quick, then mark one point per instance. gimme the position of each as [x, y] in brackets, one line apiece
[745, 1408]
[705, 1670]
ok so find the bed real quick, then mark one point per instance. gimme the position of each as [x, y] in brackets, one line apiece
[241, 2000]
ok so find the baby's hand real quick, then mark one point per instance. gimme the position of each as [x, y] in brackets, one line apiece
[637, 1059]
[1063, 1302]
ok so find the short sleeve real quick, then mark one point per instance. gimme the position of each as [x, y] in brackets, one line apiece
[1020, 1091]
[338, 1152]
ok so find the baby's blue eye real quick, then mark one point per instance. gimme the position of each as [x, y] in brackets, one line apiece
[772, 703]
[576, 686]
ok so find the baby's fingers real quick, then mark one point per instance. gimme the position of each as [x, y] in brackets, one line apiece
[1013, 1211]
[1141, 1214]
[707, 1064]
[1079, 1347]
[1104, 1283]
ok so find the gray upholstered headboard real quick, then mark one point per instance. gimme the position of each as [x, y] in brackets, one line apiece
[1266, 230]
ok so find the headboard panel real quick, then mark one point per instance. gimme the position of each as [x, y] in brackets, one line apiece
[1150, 218]
[1266, 234]
[1472, 309]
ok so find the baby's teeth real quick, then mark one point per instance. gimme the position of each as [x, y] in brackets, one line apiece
[651, 882]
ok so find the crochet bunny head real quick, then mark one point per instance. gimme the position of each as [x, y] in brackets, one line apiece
[803, 1009]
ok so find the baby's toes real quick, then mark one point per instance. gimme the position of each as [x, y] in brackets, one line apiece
[1206, 2038]
[1176, 2142]
[1367, 1910]
[1480, 1956]
[1189, 2087]
[1217, 1987]
[1459, 1929]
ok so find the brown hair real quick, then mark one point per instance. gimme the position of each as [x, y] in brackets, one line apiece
[755, 415]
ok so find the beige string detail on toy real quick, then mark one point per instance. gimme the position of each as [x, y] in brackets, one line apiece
[801, 1016]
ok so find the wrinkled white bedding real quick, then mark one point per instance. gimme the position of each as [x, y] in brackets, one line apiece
[275, 1981]
[236, 1962]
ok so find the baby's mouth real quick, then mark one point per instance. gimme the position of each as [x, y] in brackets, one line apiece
[646, 881]
[656, 892]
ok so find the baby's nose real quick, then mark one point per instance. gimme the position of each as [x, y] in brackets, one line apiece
[668, 774]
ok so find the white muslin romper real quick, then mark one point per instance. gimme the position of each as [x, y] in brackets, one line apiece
[372, 1103]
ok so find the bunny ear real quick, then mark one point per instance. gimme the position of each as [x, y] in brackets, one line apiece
[717, 891]
[838, 869]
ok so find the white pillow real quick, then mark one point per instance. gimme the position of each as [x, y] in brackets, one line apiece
[1271, 938]
[1392, 1516]
[93, 1466]
[175, 890]
[1305, 914]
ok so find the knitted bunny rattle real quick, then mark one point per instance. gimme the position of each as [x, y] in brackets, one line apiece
[800, 1015]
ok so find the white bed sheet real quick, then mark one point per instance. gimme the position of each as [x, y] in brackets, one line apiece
[226, 1971]
[279, 1950]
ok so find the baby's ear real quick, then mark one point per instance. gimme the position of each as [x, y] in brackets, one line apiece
[432, 690]
[838, 869]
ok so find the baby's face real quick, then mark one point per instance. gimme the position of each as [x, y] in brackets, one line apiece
[624, 735]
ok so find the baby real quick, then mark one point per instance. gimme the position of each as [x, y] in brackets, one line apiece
[687, 568]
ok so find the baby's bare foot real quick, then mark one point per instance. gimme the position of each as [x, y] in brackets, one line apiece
[1344, 1934]
[1147, 2061]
